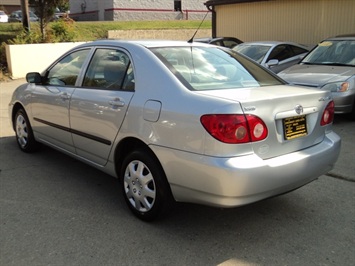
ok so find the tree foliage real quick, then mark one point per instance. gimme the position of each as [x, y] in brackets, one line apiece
[63, 5]
[45, 10]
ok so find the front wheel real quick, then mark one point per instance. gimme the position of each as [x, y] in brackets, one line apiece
[352, 114]
[146, 190]
[24, 133]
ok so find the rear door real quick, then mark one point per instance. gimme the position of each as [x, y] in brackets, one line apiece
[99, 106]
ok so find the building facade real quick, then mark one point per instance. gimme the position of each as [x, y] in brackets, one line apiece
[10, 5]
[303, 21]
[129, 10]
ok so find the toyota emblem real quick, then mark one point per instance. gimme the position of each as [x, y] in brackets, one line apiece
[299, 109]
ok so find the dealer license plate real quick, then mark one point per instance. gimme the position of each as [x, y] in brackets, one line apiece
[295, 127]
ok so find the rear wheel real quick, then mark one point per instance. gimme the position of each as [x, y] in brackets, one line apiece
[24, 133]
[145, 188]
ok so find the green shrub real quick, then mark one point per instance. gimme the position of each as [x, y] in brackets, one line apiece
[3, 62]
[62, 31]
[24, 37]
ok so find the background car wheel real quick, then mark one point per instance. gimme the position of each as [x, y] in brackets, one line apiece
[24, 133]
[352, 114]
[145, 188]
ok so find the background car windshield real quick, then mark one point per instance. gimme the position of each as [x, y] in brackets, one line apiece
[332, 53]
[255, 52]
[211, 68]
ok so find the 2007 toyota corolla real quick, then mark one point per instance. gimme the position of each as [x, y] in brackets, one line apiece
[178, 121]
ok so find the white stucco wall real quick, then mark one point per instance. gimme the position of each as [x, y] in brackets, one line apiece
[24, 58]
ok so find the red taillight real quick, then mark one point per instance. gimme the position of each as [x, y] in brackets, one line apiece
[328, 114]
[235, 128]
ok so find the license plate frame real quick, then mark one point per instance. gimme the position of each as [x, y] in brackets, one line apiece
[294, 127]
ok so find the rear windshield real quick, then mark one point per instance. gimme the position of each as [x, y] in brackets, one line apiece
[214, 68]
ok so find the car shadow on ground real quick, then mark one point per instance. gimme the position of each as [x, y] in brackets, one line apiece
[60, 172]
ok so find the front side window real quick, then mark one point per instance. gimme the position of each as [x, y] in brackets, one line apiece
[110, 69]
[66, 71]
[332, 52]
[212, 68]
[281, 52]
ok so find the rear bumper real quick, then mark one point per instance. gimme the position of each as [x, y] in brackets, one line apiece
[230, 182]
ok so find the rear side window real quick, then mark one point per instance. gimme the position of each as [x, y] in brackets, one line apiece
[281, 52]
[66, 71]
[110, 69]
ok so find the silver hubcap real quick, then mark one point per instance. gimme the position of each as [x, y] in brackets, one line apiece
[139, 186]
[21, 131]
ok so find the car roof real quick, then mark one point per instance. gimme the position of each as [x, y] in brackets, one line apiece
[274, 43]
[145, 42]
[270, 43]
[203, 39]
[350, 36]
[210, 39]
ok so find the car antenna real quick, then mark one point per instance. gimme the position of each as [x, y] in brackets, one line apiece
[193, 36]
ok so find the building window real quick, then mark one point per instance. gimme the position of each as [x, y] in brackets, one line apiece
[177, 5]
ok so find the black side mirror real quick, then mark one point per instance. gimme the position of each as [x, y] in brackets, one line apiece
[34, 77]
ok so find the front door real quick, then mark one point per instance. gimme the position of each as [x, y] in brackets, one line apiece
[51, 101]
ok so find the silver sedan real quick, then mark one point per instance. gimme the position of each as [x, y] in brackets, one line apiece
[329, 66]
[178, 121]
[273, 55]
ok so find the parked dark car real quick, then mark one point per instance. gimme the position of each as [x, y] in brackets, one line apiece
[228, 42]
[16, 16]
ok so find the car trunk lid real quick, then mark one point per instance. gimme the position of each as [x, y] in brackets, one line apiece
[292, 116]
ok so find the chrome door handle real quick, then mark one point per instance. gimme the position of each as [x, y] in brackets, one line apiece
[64, 96]
[117, 102]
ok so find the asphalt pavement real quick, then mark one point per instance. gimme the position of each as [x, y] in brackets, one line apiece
[55, 210]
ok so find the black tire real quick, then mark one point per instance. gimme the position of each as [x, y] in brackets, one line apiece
[352, 114]
[145, 187]
[24, 133]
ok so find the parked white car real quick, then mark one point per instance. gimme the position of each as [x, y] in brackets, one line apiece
[3, 17]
